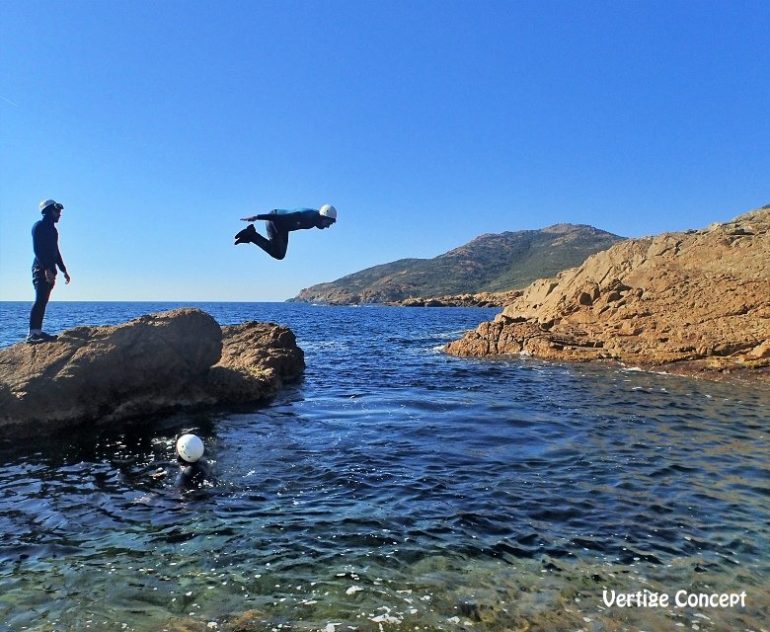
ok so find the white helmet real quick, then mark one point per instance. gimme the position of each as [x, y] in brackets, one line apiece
[189, 447]
[327, 210]
[46, 203]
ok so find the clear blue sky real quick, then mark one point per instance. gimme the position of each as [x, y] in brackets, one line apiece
[426, 123]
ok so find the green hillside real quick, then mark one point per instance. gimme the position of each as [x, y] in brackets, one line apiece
[489, 263]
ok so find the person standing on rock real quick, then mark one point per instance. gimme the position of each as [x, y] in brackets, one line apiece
[280, 223]
[45, 243]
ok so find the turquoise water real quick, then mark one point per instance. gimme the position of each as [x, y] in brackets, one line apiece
[395, 488]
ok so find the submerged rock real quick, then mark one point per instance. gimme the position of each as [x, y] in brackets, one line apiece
[695, 303]
[153, 364]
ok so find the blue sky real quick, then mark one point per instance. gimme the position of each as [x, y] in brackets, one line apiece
[160, 124]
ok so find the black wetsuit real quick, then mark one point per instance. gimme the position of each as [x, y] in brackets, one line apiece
[279, 224]
[45, 243]
[192, 475]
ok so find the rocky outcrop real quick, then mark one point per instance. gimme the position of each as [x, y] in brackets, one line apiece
[696, 302]
[150, 365]
[256, 359]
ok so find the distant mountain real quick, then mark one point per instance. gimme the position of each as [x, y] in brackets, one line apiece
[489, 263]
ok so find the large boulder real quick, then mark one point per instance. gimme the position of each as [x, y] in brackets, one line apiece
[150, 365]
[256, 359]
[696, 302]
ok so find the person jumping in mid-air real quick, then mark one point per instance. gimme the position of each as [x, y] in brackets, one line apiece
[280, 223]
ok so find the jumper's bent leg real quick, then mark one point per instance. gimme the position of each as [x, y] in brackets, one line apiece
[275, 246]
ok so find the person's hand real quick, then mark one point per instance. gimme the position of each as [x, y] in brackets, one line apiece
[50, 277]
[66, 278]
[249, 219]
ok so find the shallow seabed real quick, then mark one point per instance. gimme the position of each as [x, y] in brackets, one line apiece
[396, 488]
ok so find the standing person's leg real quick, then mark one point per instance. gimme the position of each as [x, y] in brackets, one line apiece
[42, 294]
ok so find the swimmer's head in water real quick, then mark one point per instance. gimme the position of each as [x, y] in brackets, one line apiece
[189, 447]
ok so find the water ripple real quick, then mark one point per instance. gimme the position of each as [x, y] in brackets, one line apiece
[396, 484]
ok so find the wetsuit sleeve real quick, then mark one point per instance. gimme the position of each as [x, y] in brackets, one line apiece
[60, 261]
[282, 219]
[291, 220]
[272, 215]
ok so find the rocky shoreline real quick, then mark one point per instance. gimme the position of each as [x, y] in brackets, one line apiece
[152, 365]
[692, 303]
[482, 299]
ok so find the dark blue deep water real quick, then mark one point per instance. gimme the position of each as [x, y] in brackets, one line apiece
[396, 488]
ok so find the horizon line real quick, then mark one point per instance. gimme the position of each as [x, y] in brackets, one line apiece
[286, 300]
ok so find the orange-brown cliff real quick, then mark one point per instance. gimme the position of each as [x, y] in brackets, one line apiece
[696, 302]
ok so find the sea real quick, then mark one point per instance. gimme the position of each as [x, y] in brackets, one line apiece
[397, 488]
